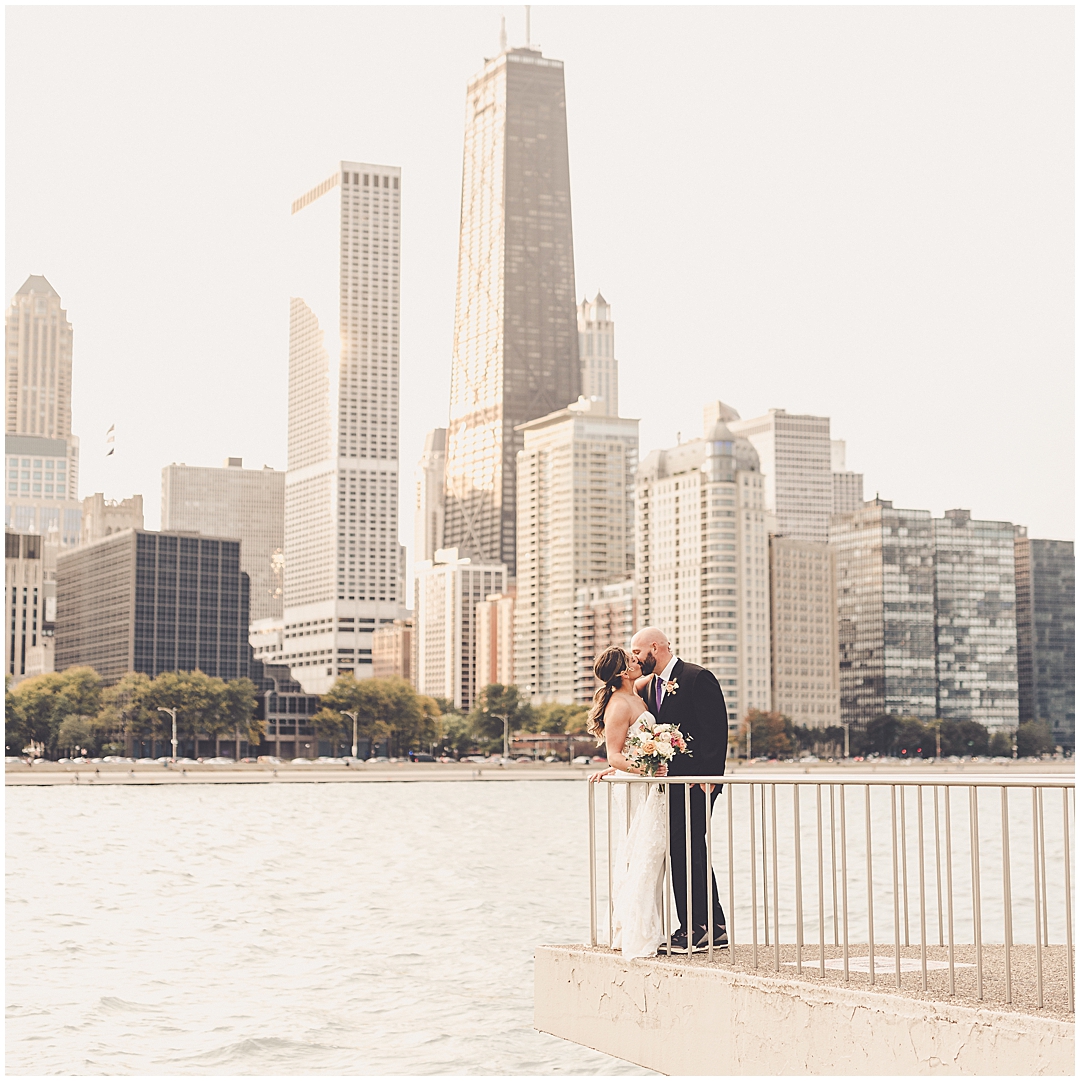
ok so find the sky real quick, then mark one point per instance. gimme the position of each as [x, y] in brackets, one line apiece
[865, 213]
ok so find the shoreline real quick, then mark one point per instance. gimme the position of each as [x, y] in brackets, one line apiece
[19, 774]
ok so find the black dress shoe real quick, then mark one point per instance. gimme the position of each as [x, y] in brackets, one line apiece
[678, 945]
[719, 940]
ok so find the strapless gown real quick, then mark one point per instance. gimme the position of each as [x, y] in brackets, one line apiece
[638, 874]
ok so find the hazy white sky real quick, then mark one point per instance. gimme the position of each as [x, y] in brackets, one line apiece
[864, 213]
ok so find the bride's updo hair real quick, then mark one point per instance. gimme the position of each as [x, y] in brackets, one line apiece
[609, 668]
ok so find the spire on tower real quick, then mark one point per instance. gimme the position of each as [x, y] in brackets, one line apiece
[502, 34]
[528, 27]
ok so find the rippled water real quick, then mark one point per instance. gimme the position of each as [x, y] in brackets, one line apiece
[280, 929]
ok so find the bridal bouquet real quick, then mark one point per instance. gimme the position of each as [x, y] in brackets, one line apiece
[653, 746]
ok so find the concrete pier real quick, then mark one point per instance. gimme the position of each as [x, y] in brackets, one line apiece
[688, 1017]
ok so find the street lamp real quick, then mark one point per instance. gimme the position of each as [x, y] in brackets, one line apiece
[353, 714]
[171, 713]
[847, 745]
[506, 736]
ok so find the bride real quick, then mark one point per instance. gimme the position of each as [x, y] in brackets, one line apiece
[638, 879]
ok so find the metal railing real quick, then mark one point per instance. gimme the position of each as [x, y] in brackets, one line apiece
[947, 843]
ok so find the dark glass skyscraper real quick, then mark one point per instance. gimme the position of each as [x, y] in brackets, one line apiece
[515, 325]
[1046, 633]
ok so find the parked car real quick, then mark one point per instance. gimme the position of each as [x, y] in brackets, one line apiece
[302, 762]
[269, 760]
[378, 758]
[249, 760]
[417, 756]
[582, 760]
[220, 761]
[479, 758]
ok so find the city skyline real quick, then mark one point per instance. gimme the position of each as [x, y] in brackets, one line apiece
[930, 399]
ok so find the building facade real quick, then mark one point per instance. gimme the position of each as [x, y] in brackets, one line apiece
[805, 646]
[29, 604]
[392, 650]
[703, 560]
[245, 504]
[344, 571]
[148, 602]
[975, 620]
[41, 454]
[1046, 634]
[596, 347]
[448, 589]
[604, 615]
[515, 349]
[495, 640]
[847, 486]
[795, 453]
[102, 517]
[430, 496]
[575, 528]
[885, 607]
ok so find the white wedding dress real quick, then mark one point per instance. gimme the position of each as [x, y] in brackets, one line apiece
[638, 878]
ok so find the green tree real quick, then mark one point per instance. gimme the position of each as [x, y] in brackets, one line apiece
[241, 703]
[73, 735]
[457, 734]
[914, 739]
[125, 712]
[881, 734]
[1001, 744]
[772, 735]
[1034, 738]
[494, 703]
[558, 717]
[364, 696]
[39, 706]
[200, 701]
[963, 738]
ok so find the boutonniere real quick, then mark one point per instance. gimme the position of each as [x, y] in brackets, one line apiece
[671, 686]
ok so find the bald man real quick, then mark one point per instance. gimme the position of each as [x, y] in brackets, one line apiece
[689, 696]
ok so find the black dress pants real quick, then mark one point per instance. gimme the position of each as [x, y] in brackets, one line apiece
[698, 857]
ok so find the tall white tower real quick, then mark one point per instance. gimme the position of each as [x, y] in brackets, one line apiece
[343, 573]
[596, 347]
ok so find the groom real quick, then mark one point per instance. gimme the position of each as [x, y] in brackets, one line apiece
[689, 696]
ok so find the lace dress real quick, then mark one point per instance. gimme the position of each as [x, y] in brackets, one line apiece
[638, 879]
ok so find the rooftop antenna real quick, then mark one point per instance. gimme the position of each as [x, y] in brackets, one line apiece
[502, 34]
[528, 27]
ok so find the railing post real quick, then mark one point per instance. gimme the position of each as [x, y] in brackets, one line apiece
[843, 874]
[922, 888]
[1068, 893]
[870, 889]
[820, 884]
[1006, 885]
[708, 868]
[947, 797]
[895, 882]
[797, 831]
[753, 873]
[832, 861]
[1040, 888]
[610, 872]
[937, 869]
[689, 876]
[592, 864]
[775, 885]
[730, 918]
[976, 892]
[667, 866]
[903, 860]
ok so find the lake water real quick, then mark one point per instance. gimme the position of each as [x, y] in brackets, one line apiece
[284, 929]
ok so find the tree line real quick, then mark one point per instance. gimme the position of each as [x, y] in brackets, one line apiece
[773, 735]
[72, 711]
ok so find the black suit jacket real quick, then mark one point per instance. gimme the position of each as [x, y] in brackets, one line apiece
[698, 708]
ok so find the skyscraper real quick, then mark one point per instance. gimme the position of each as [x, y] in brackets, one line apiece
[885, 605]
[1046, 633]
[343, 573]
[575, 528]
[231, 501]
[796, 461]
[42, 456]
[430, 496]
[703, 560]
[515, 352]
[847, 487]
[596, 346]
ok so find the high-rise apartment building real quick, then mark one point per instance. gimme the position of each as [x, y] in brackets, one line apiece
[847, 486]
[430, 496]
[1046, 633]
[392, 650]
[604, 615]
[575, 506]
[703, 560]
[805, 648]
[795, 453]
[102, 517]
[448, 590]
[148, 602]
[41, 454]
[975, 620]
[29, 604]
[515, 324]
[495, 640]
[885, 605]
[596, 347]
[231, 501]
[343, 562]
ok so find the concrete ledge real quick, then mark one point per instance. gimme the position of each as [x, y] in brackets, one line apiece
[677, 1018]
